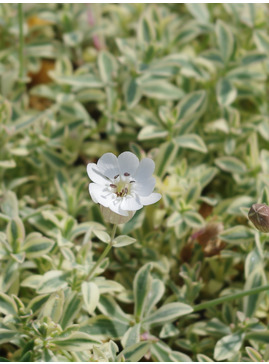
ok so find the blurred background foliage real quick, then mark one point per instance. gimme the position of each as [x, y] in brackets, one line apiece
[185, 84]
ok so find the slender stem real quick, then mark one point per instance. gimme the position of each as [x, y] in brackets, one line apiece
[21, 39]
[103, 255]
[231, 297]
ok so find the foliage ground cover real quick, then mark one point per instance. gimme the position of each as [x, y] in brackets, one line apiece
[183, 84]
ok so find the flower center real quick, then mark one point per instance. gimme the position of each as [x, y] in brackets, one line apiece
[122, 185]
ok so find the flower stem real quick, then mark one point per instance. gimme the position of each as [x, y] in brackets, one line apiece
[231, 297]
[103, 255]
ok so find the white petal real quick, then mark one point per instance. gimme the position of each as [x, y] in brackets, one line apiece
[148, 200]
[128, 163]
[101, 194]
[145, 188]
[130, 203]
[115, 206]
[108, 165]
[95, 175]
[145, 169]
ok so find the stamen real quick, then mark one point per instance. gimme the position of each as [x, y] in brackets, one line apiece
[116, 176]
[113, 186]
[125, 190]
[132, 182]
[126, 174]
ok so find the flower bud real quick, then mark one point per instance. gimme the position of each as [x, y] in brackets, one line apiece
[259, 216]
[113, 218]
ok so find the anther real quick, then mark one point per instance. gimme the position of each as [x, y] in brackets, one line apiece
[132, 182]
[126, 190]
[126, 174]
[116, 176]
[113, 186]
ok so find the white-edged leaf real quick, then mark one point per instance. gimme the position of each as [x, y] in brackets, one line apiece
[231, 164]
[52, 281]
[226, 92]
[191, 141]
[76, 341]
[192, 103]
[132, 93]
[132, 336]
[106, 65]
[123, 240]
[53, 308]
[135, 352]
[37, 245]
[90, 294]
[225, 40]
[229, 345]
[168, 312]
[237, 235]
[161, 89]
[142, 285]
[102, 235]
[7, 305]
[199, 11]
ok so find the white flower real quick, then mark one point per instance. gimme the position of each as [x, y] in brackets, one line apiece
[122, 185]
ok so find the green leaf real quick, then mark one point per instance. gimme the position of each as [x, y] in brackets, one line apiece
[168, 330]
[253, 57]
[155, 294]
[135, 352]
[152, 132]
[76, 341]
[72, 306]
[168, 312]
[203, 358]
[132, 336]
[80, 81]
[123, 240]
[256, 279]
[102, 235]
[261, 40]
[191, 141]
[15, 234]
[90, 294]
[141, 286]
[226, 92]
[52, 281]
[231, 165]
[193, 219]
[8, 164]
[106, 65]
[237, 235]
[228, 346]
[225, 40]
[108, 306]
[9, 204]
[105, 328]
[7, 305]
[160, 89]
[244, 74]
[167, 153]
[132, 93]
[192, 104]
[26, 121]
[37, 245]
[7, 335]
[199, 11]
[53, 307]
[254, 355]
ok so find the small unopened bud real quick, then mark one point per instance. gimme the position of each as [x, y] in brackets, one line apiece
[259, 216]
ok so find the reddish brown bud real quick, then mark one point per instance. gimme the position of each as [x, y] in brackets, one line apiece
[259, 216]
